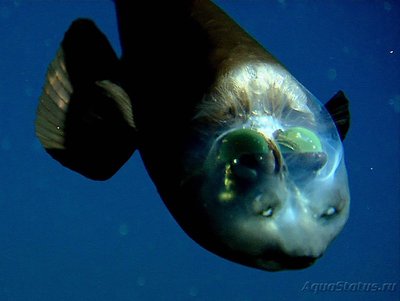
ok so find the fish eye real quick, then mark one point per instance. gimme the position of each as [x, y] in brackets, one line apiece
[301, 149]
[244, 153]
[245, 156]
[306, 162]
[298, 139]
[245, 168]
[241, 142]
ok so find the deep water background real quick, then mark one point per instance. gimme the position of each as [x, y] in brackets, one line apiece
[63, 237]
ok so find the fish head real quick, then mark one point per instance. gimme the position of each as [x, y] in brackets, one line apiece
[272, 191]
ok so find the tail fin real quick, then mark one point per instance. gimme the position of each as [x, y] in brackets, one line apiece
[84, 118]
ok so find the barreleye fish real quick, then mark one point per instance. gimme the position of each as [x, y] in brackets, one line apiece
[246, 159]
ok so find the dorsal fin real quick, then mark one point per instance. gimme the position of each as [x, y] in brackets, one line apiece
[84, 118]
[338, 108]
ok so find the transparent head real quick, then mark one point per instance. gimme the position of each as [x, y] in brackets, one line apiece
[273, 192]
[276, 190]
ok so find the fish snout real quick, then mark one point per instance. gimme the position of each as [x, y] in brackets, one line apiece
[277, 260]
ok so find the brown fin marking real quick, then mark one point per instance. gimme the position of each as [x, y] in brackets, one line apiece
[338, 108]
[84, 119]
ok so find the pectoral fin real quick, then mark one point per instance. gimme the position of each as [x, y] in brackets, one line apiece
[84, 118]
[338, 108]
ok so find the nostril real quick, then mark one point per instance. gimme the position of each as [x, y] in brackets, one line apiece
[265, 205]
[330, 212]
[267, 213]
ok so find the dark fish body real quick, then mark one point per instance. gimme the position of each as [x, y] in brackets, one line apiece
[246, 159]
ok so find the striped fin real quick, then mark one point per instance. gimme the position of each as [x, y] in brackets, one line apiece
[84, 118]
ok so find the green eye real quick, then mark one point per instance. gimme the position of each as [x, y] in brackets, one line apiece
[241, 142]
[302, 151]
[299, 140]
[243, 153]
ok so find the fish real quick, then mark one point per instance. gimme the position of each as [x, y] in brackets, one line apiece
[248, 162]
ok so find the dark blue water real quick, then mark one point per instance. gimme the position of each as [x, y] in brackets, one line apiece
[63, 237]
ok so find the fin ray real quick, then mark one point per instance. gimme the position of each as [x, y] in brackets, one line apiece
[84, 118]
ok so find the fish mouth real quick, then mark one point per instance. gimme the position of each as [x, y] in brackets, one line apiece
[277, 261]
